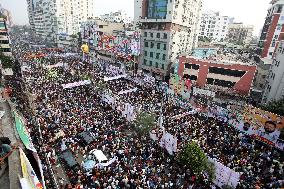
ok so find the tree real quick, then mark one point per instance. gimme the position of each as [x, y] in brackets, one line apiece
[7, 61]
[144, 123]
[276, 107]
[100, 86]
[193, 157]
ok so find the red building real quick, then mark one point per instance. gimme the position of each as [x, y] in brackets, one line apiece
[273, 30]
[235, 77]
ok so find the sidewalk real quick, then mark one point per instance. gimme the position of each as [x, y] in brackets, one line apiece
[14, 167]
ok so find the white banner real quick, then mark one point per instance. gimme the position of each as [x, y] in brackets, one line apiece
[184, 114]
[76, 84]
[54, 65]
[114, 78]
[169, 142]
[225, 175]
[197, 91]
[108, 99]
[127, 91]
[7, 71]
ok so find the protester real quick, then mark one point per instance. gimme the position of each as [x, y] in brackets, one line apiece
[58, 116]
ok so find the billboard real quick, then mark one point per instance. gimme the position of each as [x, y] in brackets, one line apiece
[264, 125]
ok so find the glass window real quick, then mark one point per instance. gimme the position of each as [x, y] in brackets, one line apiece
[157, 55]
[157, 65]
[145, 62]
[151, 54]
[152, 44]
[151, 34]
[165, 46]
[158, 35]
[146, 44]
[150, 63]
[146, 53]
[165, 36]
[164, 57]
[145, 34]
[158, 45]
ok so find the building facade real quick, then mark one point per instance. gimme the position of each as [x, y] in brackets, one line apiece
[214, 26]
[235, 78]
[49, 18]
[274, 89]
[239, 34]
[119, 16]
[168, 29]
[4, 38]
[273, 30]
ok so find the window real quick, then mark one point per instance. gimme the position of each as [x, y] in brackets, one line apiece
[150, 63]
[145, 62]
[228, 72]
[158, 45]
[191, 66]
[163, 66]
[164, 57]
[145, 53]
[158, 35]
[165, 46]
[151, 34]
[165, 36]
[157, 65]
[146, 44]
[221, 83]
[101, 26]
[152, 44]
[145, 34]
[157, 55]
[273, 44]
[151, 54]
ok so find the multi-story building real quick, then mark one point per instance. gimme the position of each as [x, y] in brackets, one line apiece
[4, 38]
[213, 26]
[168, 29]
[119, 16]
[239, 34]
[273, 30]
[274, 88]
[216, 75]
[49, 18]
[111, 41]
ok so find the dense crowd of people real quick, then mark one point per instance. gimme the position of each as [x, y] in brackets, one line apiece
[57, 116]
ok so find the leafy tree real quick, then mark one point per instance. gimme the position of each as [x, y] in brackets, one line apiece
[100, 86]
[276, 107]
[193, 157]
[7, 61]
[144, 123]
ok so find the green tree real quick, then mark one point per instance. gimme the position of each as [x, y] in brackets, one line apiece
[7, 61]
[276, 107]
[100, 86]
[144, 123]
[193, 157]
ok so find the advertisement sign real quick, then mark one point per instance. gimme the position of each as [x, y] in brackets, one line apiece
[23, 133]
[264, 125]
[28, 172]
